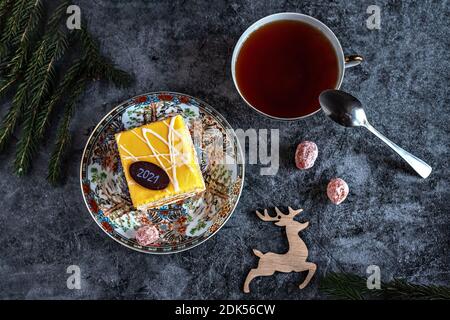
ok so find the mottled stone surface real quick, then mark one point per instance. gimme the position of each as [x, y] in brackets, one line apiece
[391, 218]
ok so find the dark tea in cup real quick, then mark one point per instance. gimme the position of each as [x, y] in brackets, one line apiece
[282, 67]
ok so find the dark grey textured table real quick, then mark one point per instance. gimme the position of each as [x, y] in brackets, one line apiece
[392, 218]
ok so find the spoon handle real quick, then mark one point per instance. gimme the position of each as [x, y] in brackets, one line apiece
[352, 60]
[420, 166]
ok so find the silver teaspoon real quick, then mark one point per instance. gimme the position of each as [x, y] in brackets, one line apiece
[348, 111]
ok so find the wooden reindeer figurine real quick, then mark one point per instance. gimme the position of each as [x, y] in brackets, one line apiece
[292, 261]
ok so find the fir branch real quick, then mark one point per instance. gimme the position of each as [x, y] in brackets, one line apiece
[72, 74]
[99, 67]
[21, 98]
[63, 134]
[54, 43]
[400, 289]
[15, 25]
[12, 21]
[106, 70]
[353, 287]
[5, 6]
[5, 85]
[28, 57]
[10, 120]
[344, 286]
[90, 47]
[31, 29]
[58, 15]
[26, 146]
[14, 65]
[5, 62]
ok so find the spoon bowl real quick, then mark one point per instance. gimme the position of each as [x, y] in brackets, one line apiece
[345, 109]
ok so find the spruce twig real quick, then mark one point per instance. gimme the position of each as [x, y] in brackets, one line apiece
[19, 59]
[100, 67]
[53, 44]
[400, 289]
[15, 25]
[43, 117]
[5, 84]
[353, 287]
[31, 29]
[5, 6]
[21, 98]
[63, 134]
[5, 62]
[344, 286]
[29, 55]
[12, 117]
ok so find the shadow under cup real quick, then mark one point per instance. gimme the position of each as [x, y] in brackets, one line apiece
[283, 62]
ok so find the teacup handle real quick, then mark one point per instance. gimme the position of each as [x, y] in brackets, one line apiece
[352, 60]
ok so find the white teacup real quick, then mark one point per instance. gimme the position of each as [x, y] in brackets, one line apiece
[343, 61]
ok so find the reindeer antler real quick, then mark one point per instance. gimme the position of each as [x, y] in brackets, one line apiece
[293, 212]
[266, 216]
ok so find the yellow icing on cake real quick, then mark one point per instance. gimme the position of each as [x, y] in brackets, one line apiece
[168, 144]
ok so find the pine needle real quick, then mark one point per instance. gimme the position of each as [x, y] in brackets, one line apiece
[53, 45]
[14, 66]
[29, 55]
[5, 62]
[106, 70]
[5, 85]
[63, 134]
[100, 67]
[15, 25]
[353, 287]
[5, 6]
[399, 289]
[12, 117]
[20, 56]
[43, 117]
[344, 286]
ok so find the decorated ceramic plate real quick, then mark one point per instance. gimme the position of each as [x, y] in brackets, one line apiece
[181, 225]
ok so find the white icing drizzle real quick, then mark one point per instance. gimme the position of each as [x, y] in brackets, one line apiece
[140, 138]
[171, 146]
[146, 142]
[144, 157]
[173, 154]
[184, 160]
[131, 155]
[124, 149]
[172, 151]
[157, 155]
[174, 131]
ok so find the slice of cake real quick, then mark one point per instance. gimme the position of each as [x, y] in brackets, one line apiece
[160, 163]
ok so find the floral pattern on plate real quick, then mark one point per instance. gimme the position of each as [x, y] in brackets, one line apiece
[181, 225]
